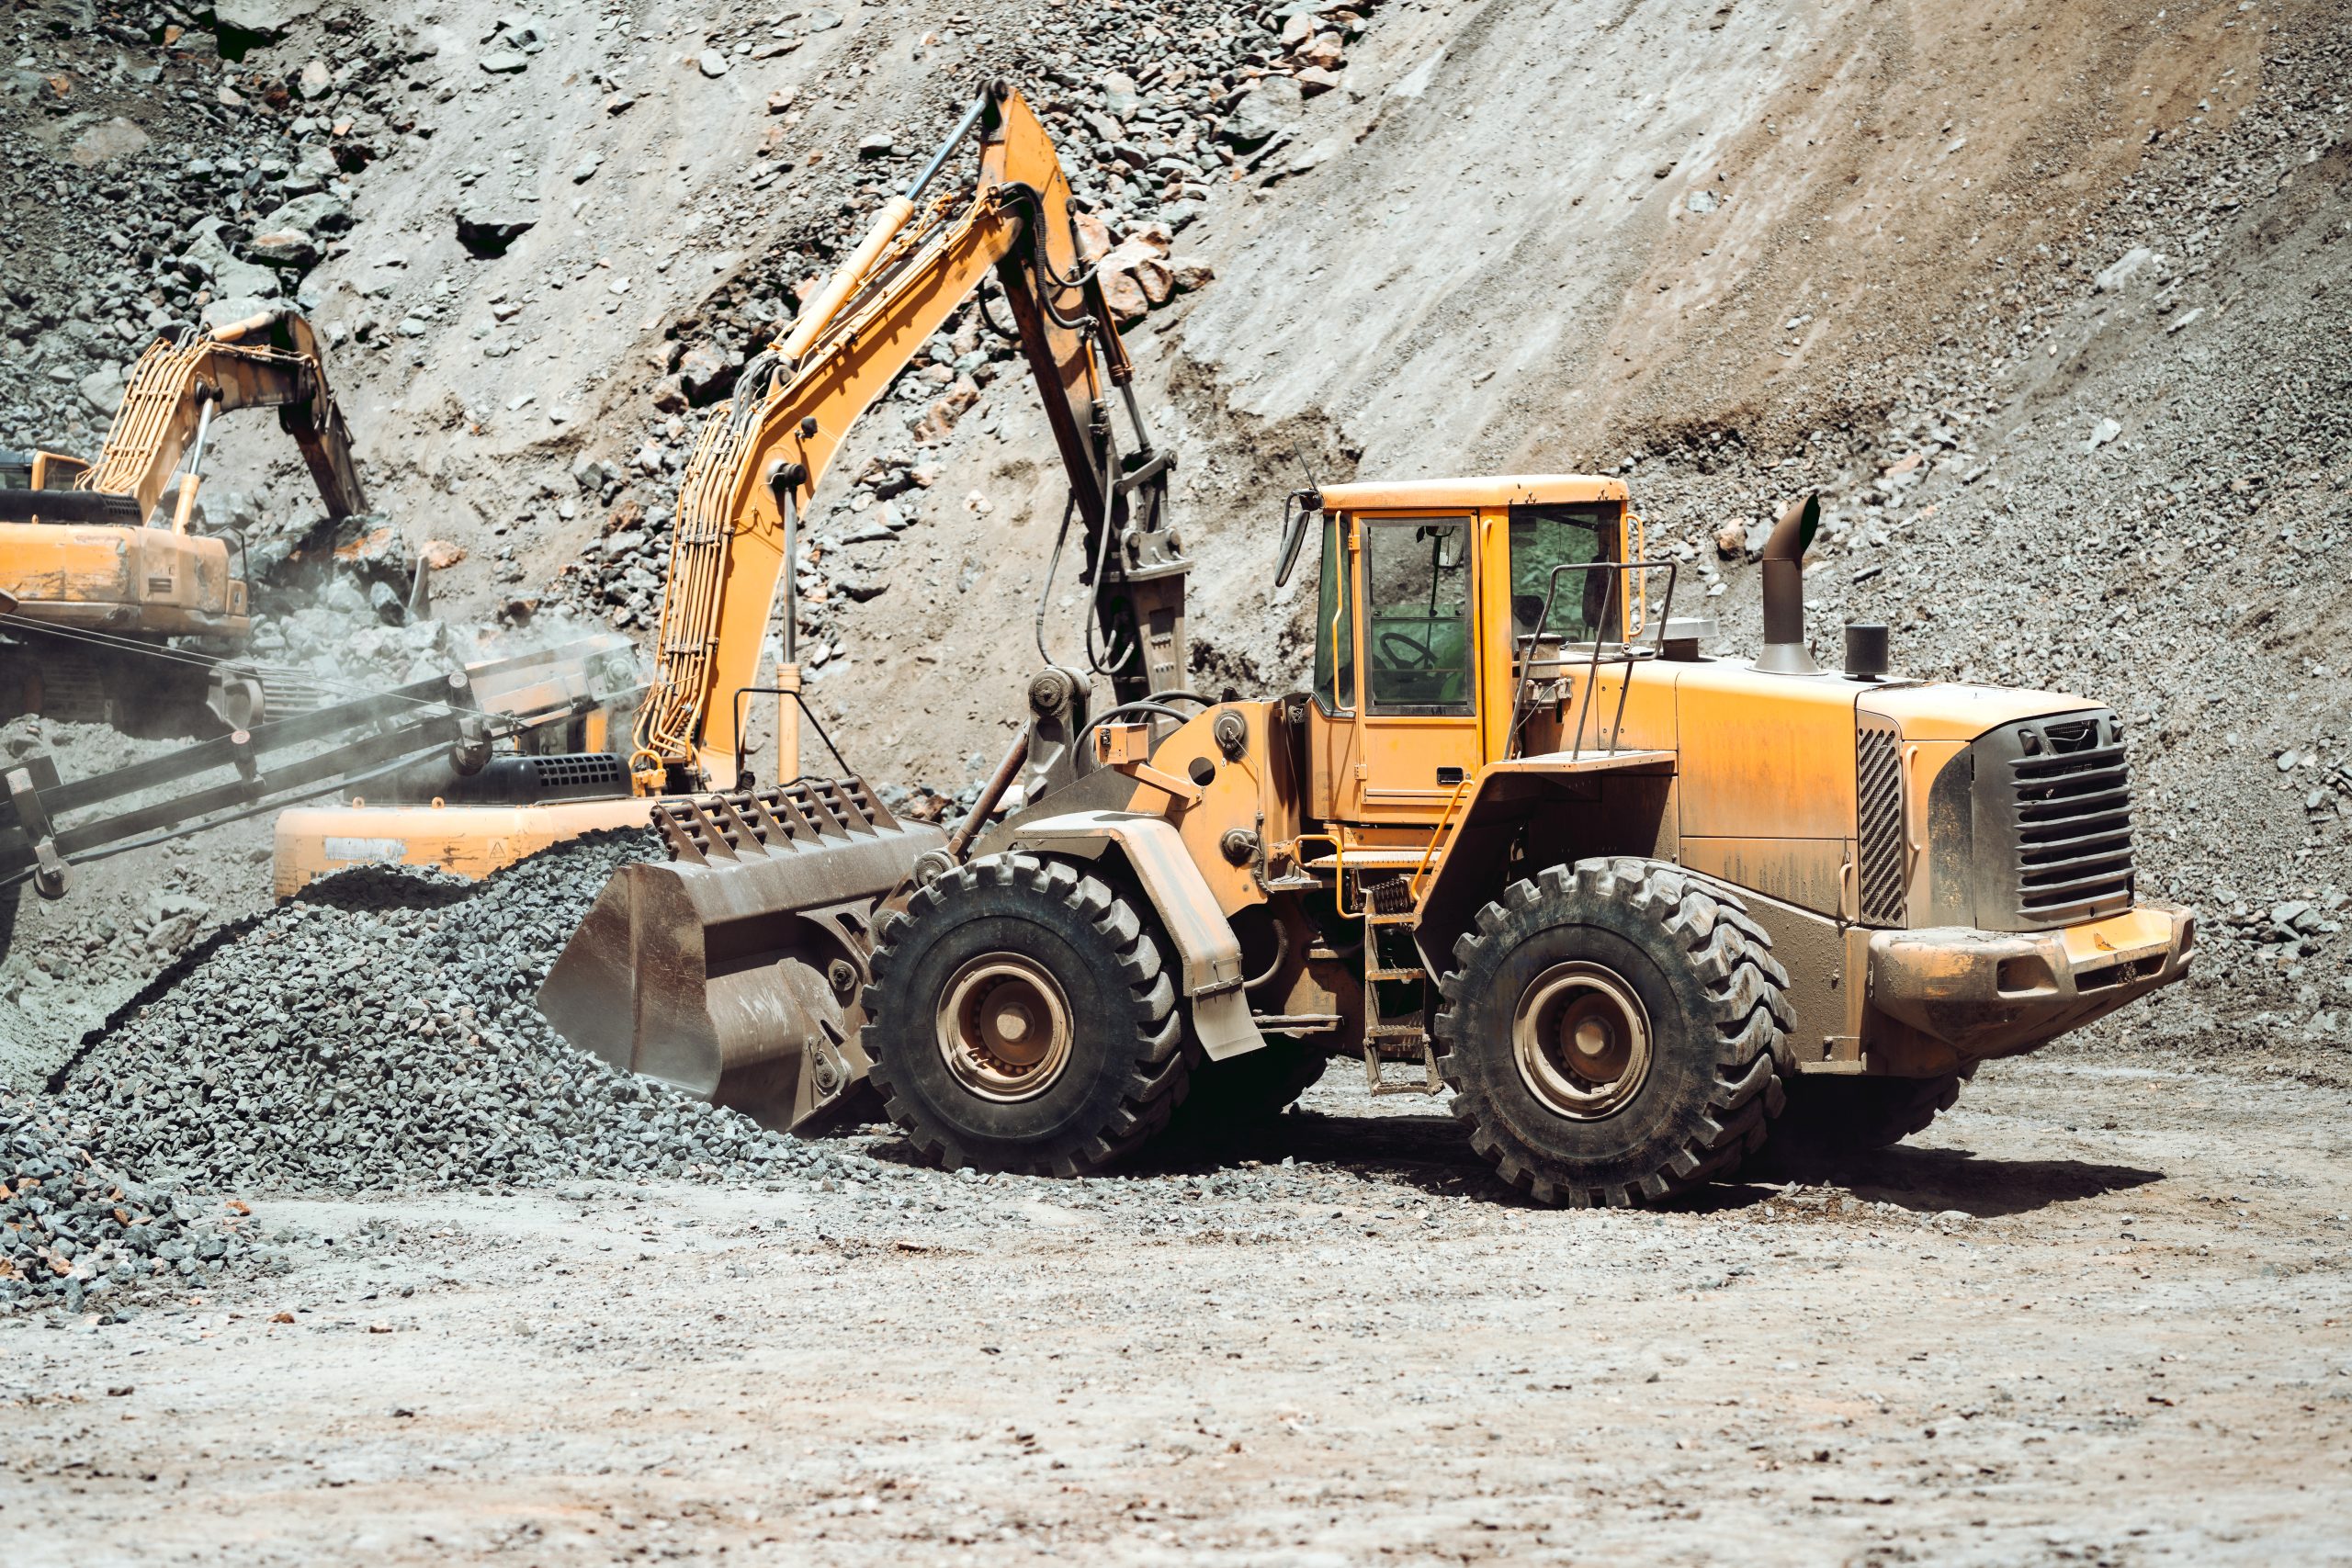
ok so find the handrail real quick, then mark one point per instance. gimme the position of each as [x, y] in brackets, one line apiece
[1620, 570]
[1437, 836]
[1339, 870]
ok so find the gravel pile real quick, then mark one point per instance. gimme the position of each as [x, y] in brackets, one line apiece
[381, 1034]
[74, 1231]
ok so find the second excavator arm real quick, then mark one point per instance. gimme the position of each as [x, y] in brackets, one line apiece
[757, 462]
[177, 388]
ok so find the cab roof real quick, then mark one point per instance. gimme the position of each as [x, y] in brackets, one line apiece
[1508, 490]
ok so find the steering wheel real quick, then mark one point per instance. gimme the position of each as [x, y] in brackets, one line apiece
[1417, 656]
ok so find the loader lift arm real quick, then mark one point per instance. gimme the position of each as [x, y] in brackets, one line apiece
[759, 456]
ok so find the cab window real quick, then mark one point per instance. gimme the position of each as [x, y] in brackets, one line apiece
[1334, 634]
[1417, 615]
[1584, 604]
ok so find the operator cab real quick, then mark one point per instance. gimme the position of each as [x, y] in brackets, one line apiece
[1437, 599]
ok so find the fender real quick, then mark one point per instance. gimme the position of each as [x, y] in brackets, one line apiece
[1208, 952]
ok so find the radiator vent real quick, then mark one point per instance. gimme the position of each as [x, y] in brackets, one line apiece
[578, 770]
[2052, 822]
[2073, 814]
[1878, 811]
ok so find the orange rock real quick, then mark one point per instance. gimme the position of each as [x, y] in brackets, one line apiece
[1094, 240]
[1126, 298]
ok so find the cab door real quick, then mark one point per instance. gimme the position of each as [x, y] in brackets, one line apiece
[1415, 609]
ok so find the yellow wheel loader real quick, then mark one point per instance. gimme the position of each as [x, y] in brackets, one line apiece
[107, 561]
[1524, 839]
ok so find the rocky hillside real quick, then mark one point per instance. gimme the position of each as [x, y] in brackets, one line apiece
[2049, 302]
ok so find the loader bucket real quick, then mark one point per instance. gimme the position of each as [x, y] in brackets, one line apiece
[733, 971]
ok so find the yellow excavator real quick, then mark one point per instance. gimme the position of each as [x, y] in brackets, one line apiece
[1638, 907]
[118, 606]
[757, 461]
[107, 561]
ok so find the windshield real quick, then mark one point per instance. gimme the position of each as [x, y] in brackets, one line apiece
[1417, 622]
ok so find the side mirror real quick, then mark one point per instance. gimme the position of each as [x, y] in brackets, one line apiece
[1294, 513]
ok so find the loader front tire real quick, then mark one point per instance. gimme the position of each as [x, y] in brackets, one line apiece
[1610, 1032]
[1022, 1018]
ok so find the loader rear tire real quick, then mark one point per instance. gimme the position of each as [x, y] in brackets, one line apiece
[1022, 1018]
[1610, 1032]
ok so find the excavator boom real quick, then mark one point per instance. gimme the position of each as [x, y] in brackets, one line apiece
[269, 361]
[759, 456]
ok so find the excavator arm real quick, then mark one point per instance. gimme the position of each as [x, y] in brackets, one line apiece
[759, 458]
[176, 390]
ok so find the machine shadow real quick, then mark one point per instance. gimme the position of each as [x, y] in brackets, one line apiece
[1428, 1151]
[1933, 1180]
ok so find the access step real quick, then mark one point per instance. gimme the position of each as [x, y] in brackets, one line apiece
[1376, 1082]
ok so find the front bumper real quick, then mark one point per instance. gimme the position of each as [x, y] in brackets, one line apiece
[1945, 998]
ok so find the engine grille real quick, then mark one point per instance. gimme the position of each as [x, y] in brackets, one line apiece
[2065, 805]
[1878, 813]
[599, 772]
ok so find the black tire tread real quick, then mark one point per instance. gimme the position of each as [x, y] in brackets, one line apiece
[1749, 1019]
[1152, 1089]
[1832, 1116]
[1226, 1100]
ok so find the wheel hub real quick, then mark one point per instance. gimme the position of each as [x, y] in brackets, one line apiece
[1004, 1027]
[1581, 1039]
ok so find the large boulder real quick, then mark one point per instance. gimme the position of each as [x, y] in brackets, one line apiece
[208, 258]
[321, 213]
[241, 24]
[296, 564]
[1272, 107]
[704, 375]
[284, 248]
[106, 141]
[102, 388]
[245, 280]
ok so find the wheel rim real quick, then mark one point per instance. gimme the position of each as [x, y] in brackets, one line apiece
[1004, 1027]
[1582, 1041]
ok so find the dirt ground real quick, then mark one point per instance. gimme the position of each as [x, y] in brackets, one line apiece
[2097, 1313]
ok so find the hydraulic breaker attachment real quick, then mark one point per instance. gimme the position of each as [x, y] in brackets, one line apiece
[733, 971]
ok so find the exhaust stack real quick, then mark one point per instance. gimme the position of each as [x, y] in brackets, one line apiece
[1785, 652]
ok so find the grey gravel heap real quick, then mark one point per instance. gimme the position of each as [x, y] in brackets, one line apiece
[74, 1231]
[381, 1032]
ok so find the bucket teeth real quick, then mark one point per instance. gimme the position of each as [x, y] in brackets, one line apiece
[699, 826]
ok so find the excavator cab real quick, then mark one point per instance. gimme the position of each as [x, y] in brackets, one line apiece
[110, 559]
